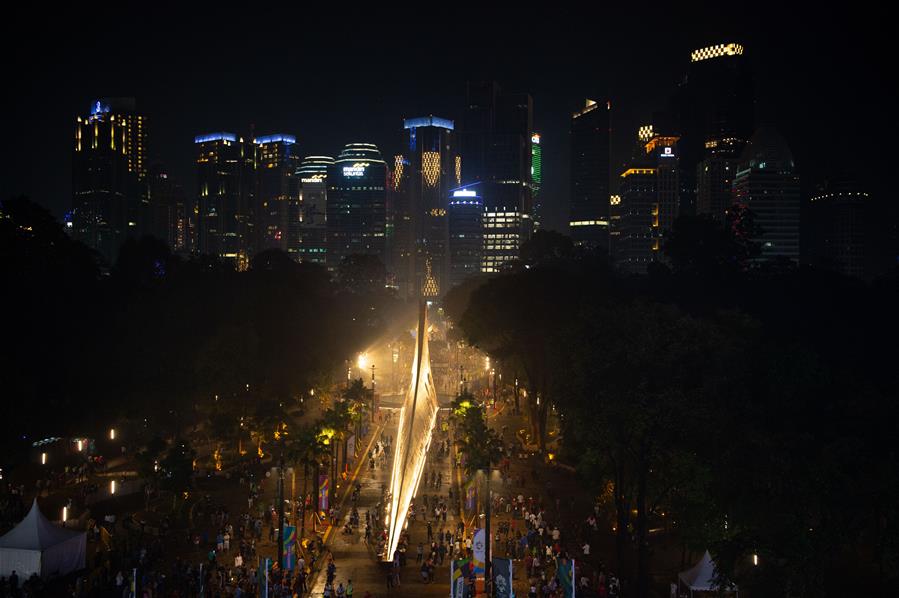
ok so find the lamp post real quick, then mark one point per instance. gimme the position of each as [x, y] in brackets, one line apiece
[372, 392]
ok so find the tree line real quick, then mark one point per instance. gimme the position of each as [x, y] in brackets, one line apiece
[748, 407]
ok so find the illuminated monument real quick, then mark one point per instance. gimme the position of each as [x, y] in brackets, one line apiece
[417, 418]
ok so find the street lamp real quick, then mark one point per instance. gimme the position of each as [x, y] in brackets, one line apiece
[372, 392]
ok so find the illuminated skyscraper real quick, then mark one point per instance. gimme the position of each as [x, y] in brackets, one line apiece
[589, 206]
[466, 232]
[647, 205]
[109, 201]
[356, 207]
[714, 113]
[431, 166]
[277, 213]
[497, 152]
[226, 180]
[766, 182]
[313, 232]
[536, 176]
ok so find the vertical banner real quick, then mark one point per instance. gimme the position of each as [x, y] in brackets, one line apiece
[460, 572]
[323, 484]
[565, 575]
[470, 495]
[351, 448]
[479, 549]
[290, 540]
[502, 577]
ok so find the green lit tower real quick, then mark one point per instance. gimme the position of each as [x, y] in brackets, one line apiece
[536, 176]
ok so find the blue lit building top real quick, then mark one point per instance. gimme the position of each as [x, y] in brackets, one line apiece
[215, 137]
[276, 138]
[99, 108]
[428, 121]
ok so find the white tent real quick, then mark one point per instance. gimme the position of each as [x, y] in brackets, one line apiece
[38, 546]
[701, 577]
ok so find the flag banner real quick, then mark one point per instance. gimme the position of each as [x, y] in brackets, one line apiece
[502, 577]
[460, 571]
[290, 540]
[470, 495]
[351, 446]
[565, 576]
[323, 484]
[479, 549]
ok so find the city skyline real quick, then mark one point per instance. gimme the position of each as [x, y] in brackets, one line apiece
[338, 105]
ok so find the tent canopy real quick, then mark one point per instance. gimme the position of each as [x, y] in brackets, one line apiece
[35, 532]
[701, 577]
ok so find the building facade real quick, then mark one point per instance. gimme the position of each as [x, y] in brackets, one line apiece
[589, 205]
[466, 233]
[226, 182]
[109, 170]
[277, 209]
[766, 182]
[312, 231]
[841, 224]
[356, 205]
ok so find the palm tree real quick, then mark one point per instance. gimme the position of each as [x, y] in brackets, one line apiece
[306, 447]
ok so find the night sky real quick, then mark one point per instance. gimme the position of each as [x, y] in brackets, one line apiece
[353, 74]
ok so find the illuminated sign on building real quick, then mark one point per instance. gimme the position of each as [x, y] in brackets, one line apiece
[464, 193]
[356, 170]
[668, 153]
[535, 138]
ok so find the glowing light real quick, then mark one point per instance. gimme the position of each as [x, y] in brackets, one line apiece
[356, 170]
[428, 121]
[614, 200]
[644, 133]
[112, 487]
[398, 163]
[464, 193]
[80, 445]
[430, 168]
[418, 416]
[43, 458]
[112, 432]
[362, 361]
[65, 514]
[458, 170]
[279, 138]
[631, 171]
[716, 51]
[215, 137]
[755, 560]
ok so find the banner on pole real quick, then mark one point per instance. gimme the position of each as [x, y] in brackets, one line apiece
[471, 492]
[502, 577]
[323, 484]
[290, 540]
[566, 576]
[479, 549]
[460, 571]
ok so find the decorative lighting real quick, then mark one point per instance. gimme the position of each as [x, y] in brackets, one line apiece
[112, 430]
[112, 487]
[458, 170]
[430, 168]
[398, 162]
[43, 458]
[645, 133]
[65, 514]
[716, 51]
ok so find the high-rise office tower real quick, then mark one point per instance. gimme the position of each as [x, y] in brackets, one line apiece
[841, 227]
[277, 213]
[169, 210]
[713, 110]
[536, 177]
[226, 181]
[589, 206]
[647, 205]
[356, 207]
[401, 251]
[466, 231]
[431, 164]
[109, 200]
[313, 232]
[715, 177]
[766, 182]
[496, 151]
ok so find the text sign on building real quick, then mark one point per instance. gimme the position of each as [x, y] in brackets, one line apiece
[668, 153]
[356, 170]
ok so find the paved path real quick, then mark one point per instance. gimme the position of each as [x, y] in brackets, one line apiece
[357, 561]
